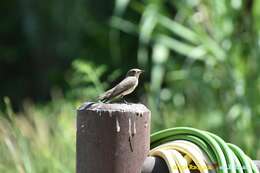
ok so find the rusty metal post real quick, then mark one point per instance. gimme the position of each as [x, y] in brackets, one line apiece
[112, 138]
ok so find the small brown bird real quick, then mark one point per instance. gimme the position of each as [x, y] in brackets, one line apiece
[125, 87]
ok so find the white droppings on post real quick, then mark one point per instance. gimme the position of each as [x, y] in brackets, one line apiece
[82, 127]
[110, 113]
[146, 125]
[138, 108]
[99, 106]
[130, 127]
[98, 111]
[117, 125]
[134, 128]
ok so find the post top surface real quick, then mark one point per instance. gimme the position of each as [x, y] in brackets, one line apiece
[111, 107]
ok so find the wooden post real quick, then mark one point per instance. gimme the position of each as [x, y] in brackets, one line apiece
[112, 138]
[158, 165]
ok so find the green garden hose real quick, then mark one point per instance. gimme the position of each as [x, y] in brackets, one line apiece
[185, 148]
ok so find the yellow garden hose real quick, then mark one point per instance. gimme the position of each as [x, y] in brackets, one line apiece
[185, 149]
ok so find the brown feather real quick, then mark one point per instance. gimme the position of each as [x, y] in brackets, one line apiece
[121, 89]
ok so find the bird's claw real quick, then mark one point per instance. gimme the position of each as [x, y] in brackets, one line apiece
[125, 101]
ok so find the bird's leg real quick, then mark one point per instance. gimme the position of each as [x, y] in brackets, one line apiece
[122, 97]
[125, 101]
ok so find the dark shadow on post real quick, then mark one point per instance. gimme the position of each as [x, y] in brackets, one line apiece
[112, 138]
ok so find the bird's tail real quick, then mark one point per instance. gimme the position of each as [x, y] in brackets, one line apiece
[104, 100]
[100, 99]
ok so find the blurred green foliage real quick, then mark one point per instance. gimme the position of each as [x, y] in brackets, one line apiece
[204, 61]
[41, 139]
[201, 60]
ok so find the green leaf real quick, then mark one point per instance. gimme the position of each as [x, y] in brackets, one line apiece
[180, 47]
[179, 29]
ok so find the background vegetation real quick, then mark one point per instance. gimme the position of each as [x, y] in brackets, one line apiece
[201, 60]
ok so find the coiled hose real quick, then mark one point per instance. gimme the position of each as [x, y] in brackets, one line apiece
[185, 149]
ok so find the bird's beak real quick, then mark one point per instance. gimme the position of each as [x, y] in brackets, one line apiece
[141, 71]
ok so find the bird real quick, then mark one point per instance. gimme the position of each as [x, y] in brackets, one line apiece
[125, 87]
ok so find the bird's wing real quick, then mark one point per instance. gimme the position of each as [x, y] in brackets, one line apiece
[106, 94]
[123, 86]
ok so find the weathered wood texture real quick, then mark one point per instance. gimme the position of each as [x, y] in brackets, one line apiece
[158, 165]
[112, 138]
